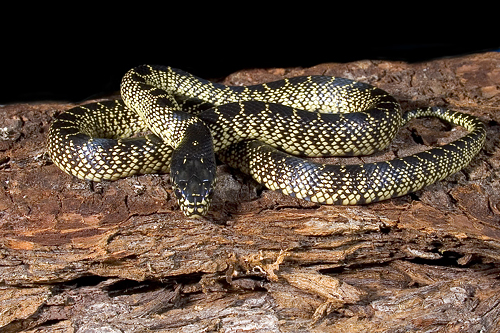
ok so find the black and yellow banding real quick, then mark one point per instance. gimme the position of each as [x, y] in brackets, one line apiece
[254, 128]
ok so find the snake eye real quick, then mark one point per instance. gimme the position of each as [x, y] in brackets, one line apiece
[178, 193]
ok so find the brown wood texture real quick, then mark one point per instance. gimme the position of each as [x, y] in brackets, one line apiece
[119, 256]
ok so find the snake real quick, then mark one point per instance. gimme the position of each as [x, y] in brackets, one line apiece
[168, 120]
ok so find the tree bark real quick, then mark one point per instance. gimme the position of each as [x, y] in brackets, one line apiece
[77, 256]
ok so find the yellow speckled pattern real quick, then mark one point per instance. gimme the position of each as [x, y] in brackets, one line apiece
[93, 142]
[255, 128]
[359, 183]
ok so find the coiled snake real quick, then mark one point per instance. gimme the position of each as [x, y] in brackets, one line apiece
[192, 120]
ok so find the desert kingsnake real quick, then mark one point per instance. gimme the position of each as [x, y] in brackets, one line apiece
[193, 119]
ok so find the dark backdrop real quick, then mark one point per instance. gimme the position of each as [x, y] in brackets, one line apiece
[56, 63]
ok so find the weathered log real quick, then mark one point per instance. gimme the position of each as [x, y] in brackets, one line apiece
[119, 256]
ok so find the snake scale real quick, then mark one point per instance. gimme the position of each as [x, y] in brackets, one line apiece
[263, 130]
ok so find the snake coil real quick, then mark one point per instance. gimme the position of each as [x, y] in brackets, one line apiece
[263, 130]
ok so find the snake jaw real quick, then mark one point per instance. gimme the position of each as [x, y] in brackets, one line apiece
[194, 195]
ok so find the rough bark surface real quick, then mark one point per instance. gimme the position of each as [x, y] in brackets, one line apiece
[120, 256]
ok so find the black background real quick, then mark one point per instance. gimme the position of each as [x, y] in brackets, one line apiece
[81, 57]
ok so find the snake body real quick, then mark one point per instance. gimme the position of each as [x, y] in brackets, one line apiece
[263, 130]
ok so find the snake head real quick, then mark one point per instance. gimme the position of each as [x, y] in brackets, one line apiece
[193, 174]
[193, 187]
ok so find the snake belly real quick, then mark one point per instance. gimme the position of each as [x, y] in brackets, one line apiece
[263, 130]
